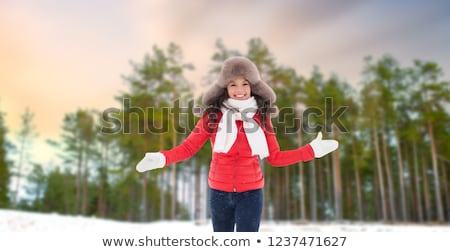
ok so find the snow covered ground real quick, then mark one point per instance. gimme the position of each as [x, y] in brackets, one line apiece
[18, 221]
[25, 231]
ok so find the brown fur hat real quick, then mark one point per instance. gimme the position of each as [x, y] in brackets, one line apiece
[239, 66]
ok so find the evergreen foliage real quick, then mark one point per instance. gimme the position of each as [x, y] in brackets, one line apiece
[393, 162]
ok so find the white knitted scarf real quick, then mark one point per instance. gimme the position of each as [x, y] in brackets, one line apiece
[243, 110]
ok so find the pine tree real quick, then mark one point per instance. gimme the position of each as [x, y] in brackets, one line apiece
[36, 186]
[4, 165]
[78, 137]
[154, 85]
[25, 138]
[430, 94]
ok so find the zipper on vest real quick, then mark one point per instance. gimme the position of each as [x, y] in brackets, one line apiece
[235, 170]
[235, 163]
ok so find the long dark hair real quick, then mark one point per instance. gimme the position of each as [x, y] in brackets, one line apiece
[264, 109]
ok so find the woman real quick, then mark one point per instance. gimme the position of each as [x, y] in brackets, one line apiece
[237, 121]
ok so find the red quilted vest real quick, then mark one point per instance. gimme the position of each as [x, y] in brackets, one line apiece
[237, 170]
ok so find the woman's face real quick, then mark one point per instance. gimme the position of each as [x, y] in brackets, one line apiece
[239, 88]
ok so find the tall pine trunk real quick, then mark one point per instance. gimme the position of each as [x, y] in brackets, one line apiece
[434, 162]
[321, 187]
[418, 191]
[287, 193]
[301, 176]
[426, 189]
[379, 170]
[174, 182]
[390, 182]
[337, 179]
[445, 186]
[359, 203]
[79, 181]
[84, 199]
[312, 191]
[400, 176]
[198, 190]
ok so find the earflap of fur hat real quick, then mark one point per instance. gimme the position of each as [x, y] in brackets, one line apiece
[262, 89]
[214, 92]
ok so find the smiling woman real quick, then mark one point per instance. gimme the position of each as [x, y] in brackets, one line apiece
[240, 101]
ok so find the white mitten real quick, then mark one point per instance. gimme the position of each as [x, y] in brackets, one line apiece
[152, 160]
[323, 147]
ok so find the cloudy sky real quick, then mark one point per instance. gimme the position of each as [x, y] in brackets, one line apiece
[57, 56]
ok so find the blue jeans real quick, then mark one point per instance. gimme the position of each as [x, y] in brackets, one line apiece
[240, 209]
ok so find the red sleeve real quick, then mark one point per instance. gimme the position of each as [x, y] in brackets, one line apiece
[190, 145]
[284, 158]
